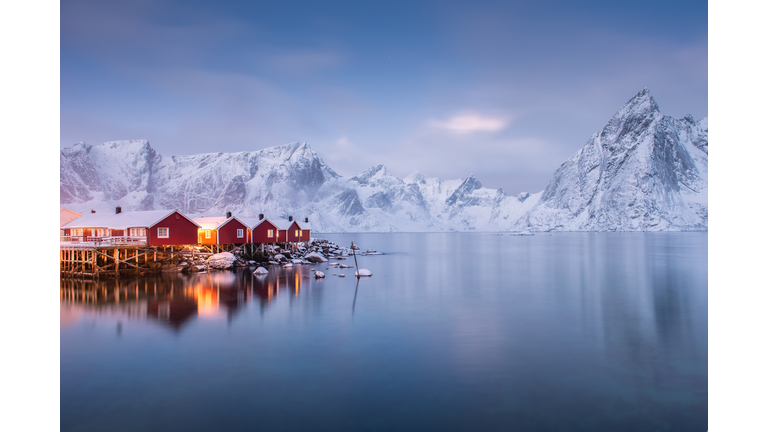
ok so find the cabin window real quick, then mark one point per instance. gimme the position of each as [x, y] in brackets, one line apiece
[137, 232]
[300, 233]
[296, 233]
[162, 233]
[269, 233]
[207, 233]
[240, 233]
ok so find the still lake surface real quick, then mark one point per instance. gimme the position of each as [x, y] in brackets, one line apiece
[454, 331]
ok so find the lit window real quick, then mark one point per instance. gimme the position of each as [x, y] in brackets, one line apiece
[296, 233]
[162, 232]
[269, 233]
[207, 233]
[300, 233]
[240, 233]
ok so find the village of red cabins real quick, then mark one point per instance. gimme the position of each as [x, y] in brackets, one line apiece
[173, 228]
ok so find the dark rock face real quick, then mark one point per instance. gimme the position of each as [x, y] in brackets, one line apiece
[78, 177]
[349, 203]
[462, 195]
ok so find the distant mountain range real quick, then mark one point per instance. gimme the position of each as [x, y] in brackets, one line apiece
[642, 172]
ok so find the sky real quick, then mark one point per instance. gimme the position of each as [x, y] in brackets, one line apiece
[503, 90]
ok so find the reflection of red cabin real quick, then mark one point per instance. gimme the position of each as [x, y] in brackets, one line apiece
[233, 231]
[173, 312]
[265, 231]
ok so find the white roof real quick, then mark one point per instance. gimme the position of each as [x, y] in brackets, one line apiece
[305, 225]
[124, 220]
[66, 216]
[283, 224]
[213, 222]
[249, 222]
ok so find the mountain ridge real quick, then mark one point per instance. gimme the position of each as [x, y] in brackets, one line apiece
[642, 171]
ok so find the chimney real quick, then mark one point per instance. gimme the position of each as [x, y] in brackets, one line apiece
[118, 210]
[261, 216]
[93, 211]
[306, 220]
[290, 218]
[229, 214]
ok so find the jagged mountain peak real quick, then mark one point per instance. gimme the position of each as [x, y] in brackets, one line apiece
[415, 177]
[642, 171]
[471, 183]
[636, 174]
[371, 175]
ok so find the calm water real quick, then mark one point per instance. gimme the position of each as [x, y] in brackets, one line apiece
[475, 332]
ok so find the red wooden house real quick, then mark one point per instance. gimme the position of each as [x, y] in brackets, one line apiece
[88, 226]
[263, 231]
[158, 227]
[208, 233]
[233, 231]
[292, 231]
[162, 228]
[306, 229]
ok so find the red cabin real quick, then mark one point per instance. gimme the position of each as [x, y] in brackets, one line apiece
[159, 227]
[208, 234]
[306, 228]
[173, 229]
[265, 231]
[294, 232]
[233, 231]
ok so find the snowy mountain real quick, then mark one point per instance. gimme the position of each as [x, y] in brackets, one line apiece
[643, 171]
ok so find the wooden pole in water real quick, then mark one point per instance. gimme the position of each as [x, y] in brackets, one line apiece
[357, 270]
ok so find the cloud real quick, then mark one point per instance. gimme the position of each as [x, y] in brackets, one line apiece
[469, 123]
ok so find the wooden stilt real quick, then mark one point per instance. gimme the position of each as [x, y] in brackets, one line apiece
[117, 262]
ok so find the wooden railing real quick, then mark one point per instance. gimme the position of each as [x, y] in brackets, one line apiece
[105, 241]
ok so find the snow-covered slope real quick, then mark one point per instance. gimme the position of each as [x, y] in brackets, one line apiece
[643, 171]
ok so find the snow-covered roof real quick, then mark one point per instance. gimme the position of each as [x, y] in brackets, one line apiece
[283, 224]
[91, 220]
[66, 216]
[305, 225]
[124, 220]
[251, 223]
[228, 220]
[213, 222]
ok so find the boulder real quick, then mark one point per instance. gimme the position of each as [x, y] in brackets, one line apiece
[260, 271]
[315, 257]
[363, 273]
[223, 260]
[319, 275]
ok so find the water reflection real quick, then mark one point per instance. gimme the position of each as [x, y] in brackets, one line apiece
[468, 331]
[174, 300]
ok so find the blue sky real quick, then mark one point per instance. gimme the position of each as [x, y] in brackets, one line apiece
[504, 90]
